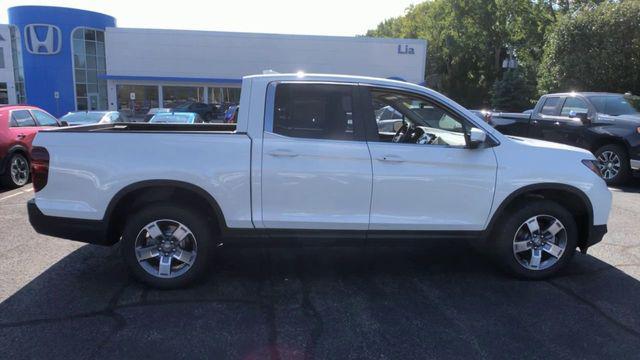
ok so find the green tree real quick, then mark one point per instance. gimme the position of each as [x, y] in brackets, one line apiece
[467, 41]
[595, 49]
[512, 92]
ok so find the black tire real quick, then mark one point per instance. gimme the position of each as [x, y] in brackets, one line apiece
[624, 174]
[197, 224]
[505, 235]
[7, 180]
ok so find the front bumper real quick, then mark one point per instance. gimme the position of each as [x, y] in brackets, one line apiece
[88, 231]
[635, 164]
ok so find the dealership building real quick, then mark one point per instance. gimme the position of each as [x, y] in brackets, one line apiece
[64, 59]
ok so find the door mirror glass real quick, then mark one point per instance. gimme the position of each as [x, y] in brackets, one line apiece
[477, 137]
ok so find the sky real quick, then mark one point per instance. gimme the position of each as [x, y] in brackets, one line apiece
[317, 17]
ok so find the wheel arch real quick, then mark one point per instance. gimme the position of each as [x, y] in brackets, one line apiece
[610, 140]
[570, 197]
[138, 194]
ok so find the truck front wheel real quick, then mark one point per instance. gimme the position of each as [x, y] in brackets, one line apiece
[537, 239]
[167, 246]
[614, 164]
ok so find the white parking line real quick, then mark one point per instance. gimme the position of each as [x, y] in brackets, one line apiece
[12, 195]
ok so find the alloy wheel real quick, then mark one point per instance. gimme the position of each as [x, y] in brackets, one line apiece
[19, 170]
[166, 248]
[609, 164]
[540, 242]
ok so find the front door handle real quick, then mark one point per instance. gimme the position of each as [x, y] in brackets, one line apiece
[557, 123]
[391, 159]
[282, 153]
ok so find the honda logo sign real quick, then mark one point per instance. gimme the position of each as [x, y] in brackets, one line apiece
[42, 39]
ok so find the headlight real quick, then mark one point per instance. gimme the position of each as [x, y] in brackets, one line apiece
[593, 165]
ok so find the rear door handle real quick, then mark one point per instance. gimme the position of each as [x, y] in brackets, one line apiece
[391, 159]
[282, 153]
[557, 123]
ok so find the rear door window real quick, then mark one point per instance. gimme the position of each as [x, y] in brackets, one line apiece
[574, 104]
[314, 111]
[22, 118]
[549, 106]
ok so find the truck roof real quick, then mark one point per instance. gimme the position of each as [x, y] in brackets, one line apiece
[584, 93]
[335, 77]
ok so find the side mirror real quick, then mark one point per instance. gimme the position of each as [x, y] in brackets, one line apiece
[477, 137]
[64, 123]
[584, 117]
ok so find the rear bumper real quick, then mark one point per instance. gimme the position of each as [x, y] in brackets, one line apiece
[596, 233]
[88, 231]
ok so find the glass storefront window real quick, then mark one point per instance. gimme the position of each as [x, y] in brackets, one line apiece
[224, 95]
[18, 68]
[146, 98]
[175, 95]
[4, 94]
[89, 64]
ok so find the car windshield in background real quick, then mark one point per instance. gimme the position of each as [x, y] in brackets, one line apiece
[182, 106]
[84, 117]
[172, 118]
[616, 105]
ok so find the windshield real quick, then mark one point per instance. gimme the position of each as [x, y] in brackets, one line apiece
[84, 117]
[616, 105]
[184, 105]
[172, 118]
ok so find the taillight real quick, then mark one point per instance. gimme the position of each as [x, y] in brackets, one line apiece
[39, 167]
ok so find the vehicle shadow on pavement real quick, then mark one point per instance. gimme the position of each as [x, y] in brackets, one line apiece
[438, 301]
[633, 186]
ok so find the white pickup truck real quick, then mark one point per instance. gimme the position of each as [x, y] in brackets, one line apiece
[307, 160]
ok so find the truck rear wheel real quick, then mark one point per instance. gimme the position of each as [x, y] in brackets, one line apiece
[537, 240]
[614, 164]
[167, 246]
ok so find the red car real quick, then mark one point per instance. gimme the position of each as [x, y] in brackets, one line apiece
[18, 126]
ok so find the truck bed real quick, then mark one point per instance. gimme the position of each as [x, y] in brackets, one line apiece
[89, 165]
[516, 124]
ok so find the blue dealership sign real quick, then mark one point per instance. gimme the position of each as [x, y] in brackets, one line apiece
[45, 38]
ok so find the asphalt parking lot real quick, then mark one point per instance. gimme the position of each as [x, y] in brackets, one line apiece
[66, 299]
